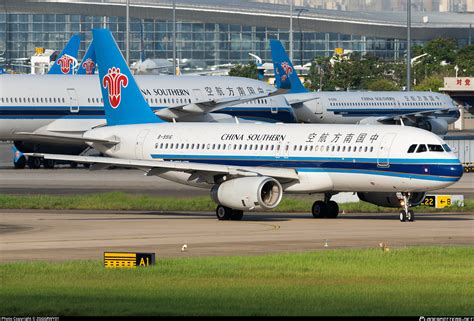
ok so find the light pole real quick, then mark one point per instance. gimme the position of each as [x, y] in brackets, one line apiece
[408, 45]
[291, 30]
[300, 10]
[174, 37]
[127, 33]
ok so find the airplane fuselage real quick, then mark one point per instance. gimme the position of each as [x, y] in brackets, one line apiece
[367, 107]
[31, 103]
[363, 158]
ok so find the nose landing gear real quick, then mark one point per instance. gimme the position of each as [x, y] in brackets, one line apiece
[406, 214]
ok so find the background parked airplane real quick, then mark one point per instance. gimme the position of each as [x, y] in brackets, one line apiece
[66, 62]
[427, 110]
[250, 166]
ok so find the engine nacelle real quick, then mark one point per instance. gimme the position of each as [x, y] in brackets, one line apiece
[248, 193]
[436, 126]
[390, 199]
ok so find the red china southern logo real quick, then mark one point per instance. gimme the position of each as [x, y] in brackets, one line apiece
[65, 62]
[287, 68]
[88, 65]
[114, 81]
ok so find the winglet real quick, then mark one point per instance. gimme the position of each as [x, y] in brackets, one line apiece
[123, 101]
[67, 59]
[88, 63]
[285, 74]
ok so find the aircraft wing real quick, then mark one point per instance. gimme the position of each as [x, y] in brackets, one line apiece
[157, 167]
[204, 107]
[415, 115]
[294, 100]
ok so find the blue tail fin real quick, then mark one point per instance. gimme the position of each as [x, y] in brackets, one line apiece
[88, 63]
[67, 59]
[285, 74]
[123, 100]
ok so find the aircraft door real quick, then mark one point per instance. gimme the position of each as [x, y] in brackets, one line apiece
[73, 101]
[273, 105]
[282, 150]
[383, 153]
[198, 96]
[318, 106]
[139, 143]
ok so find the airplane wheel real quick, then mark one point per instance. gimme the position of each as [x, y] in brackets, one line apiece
[333, 209]
[403, 216]
[20, 163]
[319, 209]
[237, 215]
[223, 213]
[73, 164]
[411, 216]
[34, 162]
[49, 163]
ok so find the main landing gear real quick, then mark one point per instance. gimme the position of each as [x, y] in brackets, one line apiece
[326, 208]
[224, 213]
[406, 214]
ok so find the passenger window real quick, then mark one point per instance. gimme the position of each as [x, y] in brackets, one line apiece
[412, 148]
[421, 148]
[435, 148]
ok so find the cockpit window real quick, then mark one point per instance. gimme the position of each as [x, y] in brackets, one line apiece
[447, 148]
[412, 148]
[421, 148]
[435, 148]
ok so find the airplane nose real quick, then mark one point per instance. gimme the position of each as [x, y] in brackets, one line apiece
[455, 171]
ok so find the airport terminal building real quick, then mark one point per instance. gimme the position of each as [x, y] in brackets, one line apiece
[215, 32]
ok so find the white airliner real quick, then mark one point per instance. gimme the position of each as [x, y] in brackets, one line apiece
[250, 166]
[427, 110]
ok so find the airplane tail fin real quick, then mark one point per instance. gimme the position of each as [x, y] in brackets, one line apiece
[285, 74]
[67, 59]
[89, 62]
[123, 101]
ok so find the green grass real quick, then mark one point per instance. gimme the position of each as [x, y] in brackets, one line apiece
[123, 201]
[407, 281]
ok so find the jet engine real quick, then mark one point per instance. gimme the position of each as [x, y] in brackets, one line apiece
[436, 126]
[248, 193]
[390, 199]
